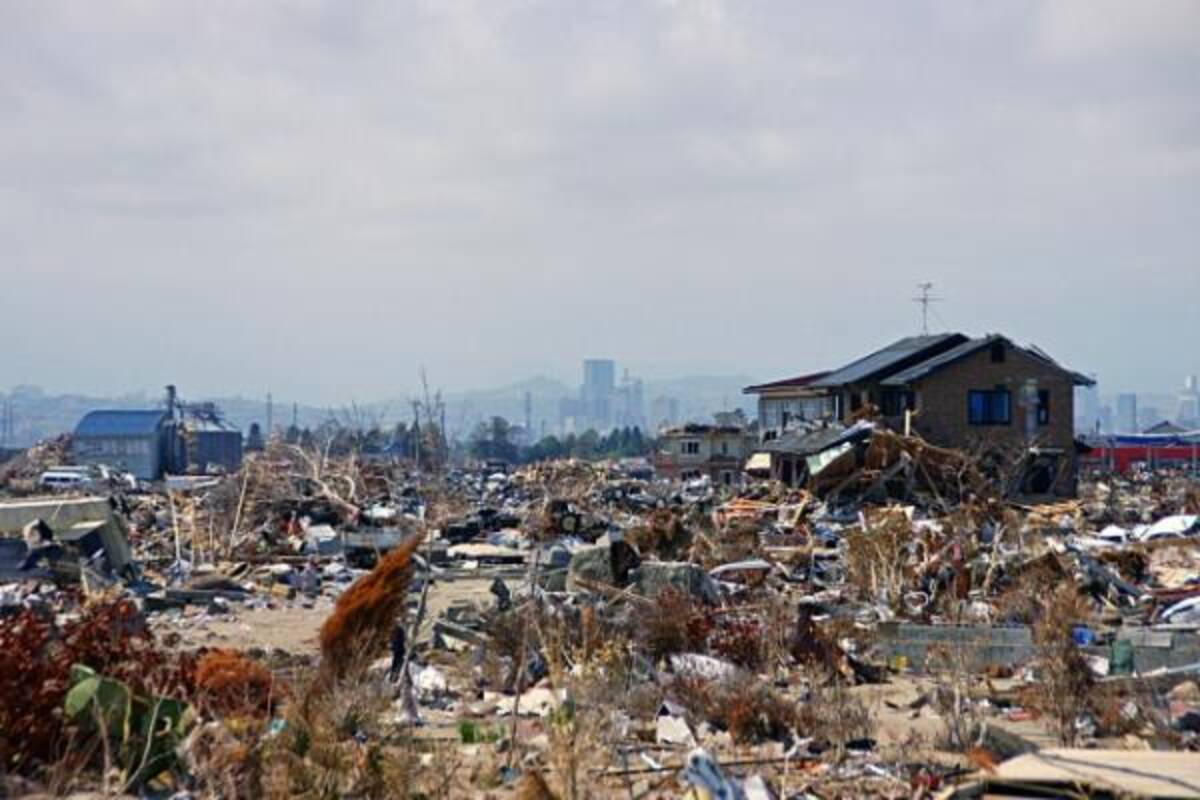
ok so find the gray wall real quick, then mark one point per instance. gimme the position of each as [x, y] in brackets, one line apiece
[140, 455]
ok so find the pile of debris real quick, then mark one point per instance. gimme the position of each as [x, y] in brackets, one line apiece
[890, 627]
[19, 475]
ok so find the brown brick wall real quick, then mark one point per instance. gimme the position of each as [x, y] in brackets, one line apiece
[941, 402]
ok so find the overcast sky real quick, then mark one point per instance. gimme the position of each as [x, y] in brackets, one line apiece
[319, 197]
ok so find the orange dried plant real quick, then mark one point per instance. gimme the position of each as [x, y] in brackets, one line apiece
[229, 683]
[362, 621]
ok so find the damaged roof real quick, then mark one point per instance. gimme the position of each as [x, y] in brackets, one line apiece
[701, 429]
[944, 359]
[816, 439]
[894, 357]
[799, 381]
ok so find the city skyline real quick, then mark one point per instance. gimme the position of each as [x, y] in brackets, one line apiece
[315, 199]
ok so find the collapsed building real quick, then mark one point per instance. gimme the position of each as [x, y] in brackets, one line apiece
[697, 450]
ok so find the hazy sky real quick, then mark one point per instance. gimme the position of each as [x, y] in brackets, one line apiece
[318, 197]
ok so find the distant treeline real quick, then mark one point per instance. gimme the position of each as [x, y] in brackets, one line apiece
[496, 440]
[493, 441]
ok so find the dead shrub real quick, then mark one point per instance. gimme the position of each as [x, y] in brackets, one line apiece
[877, 557]
[36, 656]
[833, 715]
[361, 624]
[229, 684]
[675, 623]
[664, 536]
[1066, 683]
[812, 645]
[742, 705]
[334, 744]
[512, 642]
[954, 699]
[224, 762]
[742, 641]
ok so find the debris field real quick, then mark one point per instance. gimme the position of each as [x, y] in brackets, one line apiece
[318, 626]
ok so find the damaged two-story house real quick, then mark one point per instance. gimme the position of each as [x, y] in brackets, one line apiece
[696, 450]
[985, 395]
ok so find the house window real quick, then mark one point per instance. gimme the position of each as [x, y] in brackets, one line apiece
[992, 407]
[690, 448]
[724, 448]
[896, 402]
[997, 352]
[1043, 407]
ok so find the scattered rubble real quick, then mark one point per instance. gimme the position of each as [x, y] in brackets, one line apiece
[897, 625]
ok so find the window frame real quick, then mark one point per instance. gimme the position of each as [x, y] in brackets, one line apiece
[894, 402]
[991, 414]
[1043, 407]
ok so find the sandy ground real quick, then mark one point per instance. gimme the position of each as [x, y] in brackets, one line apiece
[290, 626]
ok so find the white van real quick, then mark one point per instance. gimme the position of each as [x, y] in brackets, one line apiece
[66, 478]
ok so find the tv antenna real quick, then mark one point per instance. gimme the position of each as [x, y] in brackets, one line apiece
[924, 301]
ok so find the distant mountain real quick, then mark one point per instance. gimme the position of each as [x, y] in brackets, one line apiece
[701, 395]
[38, 415]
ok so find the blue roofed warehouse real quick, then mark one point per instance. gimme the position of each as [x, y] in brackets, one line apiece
[133, 441]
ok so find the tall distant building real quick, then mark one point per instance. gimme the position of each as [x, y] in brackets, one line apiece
[1087, 409]
[1127, 413]
[596, 394]
[631, 403]
[602, 404]
[1188, 413]
[664, 411]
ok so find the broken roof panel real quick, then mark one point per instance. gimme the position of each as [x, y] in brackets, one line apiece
[809, 441]
[891, 358]
[798, 382]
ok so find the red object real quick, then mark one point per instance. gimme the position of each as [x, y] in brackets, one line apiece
[1121, 457]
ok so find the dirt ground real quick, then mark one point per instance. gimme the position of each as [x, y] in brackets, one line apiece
[290, 626]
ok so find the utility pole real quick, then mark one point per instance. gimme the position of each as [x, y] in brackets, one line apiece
[924, 300]
[7, 424]
[416, 404]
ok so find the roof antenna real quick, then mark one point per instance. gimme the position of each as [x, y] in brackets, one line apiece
[924, 300]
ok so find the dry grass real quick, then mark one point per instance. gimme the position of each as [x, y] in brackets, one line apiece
[675, 623]
[341, 741]
[877, 557]
[750, 710]
[1065, 689]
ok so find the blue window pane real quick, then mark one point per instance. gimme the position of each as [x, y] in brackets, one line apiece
[976, 407]
[1000, 410]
